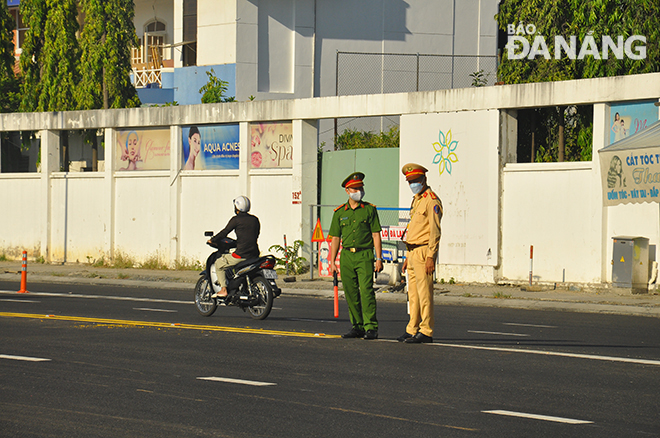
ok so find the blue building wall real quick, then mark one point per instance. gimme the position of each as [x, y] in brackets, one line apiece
[188, 80]
[183, 84]
[155, 96]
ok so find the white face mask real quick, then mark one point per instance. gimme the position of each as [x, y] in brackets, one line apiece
[416, 187]
[356, 196]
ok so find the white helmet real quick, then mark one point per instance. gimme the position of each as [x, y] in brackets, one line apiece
[242, 204]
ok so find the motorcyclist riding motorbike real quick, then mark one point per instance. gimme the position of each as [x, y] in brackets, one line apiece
[246, 227]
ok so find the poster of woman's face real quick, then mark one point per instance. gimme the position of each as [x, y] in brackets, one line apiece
[143, 149]
[214, 147]
[629, 119]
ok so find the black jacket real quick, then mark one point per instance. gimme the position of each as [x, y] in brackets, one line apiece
[247, 229]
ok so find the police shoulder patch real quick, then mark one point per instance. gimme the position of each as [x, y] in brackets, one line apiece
[339, 207]
[436, 209]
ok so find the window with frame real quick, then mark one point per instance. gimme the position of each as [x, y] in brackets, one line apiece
[21, 29]
[154, 39]
[190, 32]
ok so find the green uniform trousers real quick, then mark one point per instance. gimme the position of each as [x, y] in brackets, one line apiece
[357, 277]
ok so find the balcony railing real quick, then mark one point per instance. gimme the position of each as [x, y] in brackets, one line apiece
[145, 78]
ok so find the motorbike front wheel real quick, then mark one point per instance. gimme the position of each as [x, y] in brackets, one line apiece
[262, 290]
[204, 304]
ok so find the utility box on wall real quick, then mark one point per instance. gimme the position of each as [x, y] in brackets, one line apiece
[630, 263]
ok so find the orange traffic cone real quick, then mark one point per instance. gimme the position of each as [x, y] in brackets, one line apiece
[24, 275]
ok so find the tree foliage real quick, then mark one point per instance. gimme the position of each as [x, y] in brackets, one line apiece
[353, 139]
[34, 16]
[50, 55]
[106, 40]
[214, 90]
[580, 18]
[8, 81]
[539, 126]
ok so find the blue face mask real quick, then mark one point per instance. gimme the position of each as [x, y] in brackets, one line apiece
[416, 187]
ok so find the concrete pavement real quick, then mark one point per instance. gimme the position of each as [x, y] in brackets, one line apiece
[561, 298]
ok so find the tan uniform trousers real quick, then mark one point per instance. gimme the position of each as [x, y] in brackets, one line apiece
[420, 293]
[222, 263]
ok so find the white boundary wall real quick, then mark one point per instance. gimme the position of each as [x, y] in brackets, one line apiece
[494, 209]
[82, 216]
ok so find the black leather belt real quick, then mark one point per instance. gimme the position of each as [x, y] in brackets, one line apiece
[356, 249]
[412, 246]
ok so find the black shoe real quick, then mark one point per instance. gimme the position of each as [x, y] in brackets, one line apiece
[354, 333]
[404, 336]
[371, 334]
[419, 338]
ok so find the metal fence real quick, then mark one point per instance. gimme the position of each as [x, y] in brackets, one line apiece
[393, 221]
[377, 73]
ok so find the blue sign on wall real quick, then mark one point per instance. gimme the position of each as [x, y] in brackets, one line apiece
[630, 118]
[13, 2]
[210, 147]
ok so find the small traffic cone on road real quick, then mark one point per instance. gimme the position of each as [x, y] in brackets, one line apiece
[24, 275]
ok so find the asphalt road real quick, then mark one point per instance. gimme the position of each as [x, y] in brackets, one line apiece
[133, 362]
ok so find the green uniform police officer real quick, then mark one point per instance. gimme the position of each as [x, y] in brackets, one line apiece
[356, 224]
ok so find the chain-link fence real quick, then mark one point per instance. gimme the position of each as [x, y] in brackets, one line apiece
[393, 221]
[376, 73]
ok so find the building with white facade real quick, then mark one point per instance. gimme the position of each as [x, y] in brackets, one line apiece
[287, 49]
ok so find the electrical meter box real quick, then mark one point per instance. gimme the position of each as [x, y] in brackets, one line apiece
[630, 263]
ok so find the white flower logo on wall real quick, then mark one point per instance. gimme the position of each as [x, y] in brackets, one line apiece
[445, 148]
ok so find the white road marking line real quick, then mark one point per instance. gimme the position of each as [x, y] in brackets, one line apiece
[538, 417]
[529, 325]
[102, 297]
[554, 353]
[24, 358]
[497, 333]
[155, 310]
[239, 381]
[20, 301]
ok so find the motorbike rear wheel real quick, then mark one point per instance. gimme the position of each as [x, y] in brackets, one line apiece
[204, 304]
[262, 289]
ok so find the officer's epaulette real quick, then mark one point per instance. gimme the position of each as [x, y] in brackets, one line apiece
[369, 203]
[342, 205]
[430, 192]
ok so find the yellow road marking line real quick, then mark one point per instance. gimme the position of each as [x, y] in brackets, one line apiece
[168, 325]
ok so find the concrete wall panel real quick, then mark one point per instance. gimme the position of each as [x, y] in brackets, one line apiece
[272, 204]
[77, 217]
[23, 207]
[551, 206]
[206, 205]
[465, 182]
[141, 215]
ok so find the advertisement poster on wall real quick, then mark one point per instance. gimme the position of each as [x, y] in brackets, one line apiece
[629, 119]
[143, 149]
[213, 147]
[271, 145]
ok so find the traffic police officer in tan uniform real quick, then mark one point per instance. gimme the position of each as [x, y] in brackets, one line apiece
[356, 224]
[422, 241]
